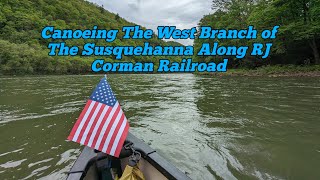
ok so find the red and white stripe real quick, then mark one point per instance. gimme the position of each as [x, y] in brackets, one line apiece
[101, 127]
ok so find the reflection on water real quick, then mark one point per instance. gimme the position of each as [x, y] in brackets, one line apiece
[209, 127]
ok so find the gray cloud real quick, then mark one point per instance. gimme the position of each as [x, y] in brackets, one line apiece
[152, 13]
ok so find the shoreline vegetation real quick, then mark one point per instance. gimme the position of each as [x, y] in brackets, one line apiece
[24, 52]
[272, 71]
[295, 51]
[296, 46]
[267, 71]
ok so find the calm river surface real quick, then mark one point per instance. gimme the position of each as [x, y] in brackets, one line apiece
[209, 127]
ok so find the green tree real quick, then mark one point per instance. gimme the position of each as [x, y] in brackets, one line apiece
[23, 51]
[301, 22]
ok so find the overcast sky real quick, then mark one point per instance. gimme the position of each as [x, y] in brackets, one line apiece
[152, 13]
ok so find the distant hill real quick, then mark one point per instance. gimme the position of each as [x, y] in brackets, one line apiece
[174, 43]
[24, 52]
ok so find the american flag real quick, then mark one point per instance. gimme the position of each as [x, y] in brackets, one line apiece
[102, 124]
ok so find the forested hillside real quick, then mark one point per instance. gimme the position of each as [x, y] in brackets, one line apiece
[298, 40]
[22, 51]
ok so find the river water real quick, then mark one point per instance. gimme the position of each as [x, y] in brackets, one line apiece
[209, 127]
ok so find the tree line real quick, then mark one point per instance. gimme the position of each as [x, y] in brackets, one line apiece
[298, 40]
[22, 51]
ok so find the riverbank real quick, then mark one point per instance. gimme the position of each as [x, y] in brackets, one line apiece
[273, 71]
[268, 71]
